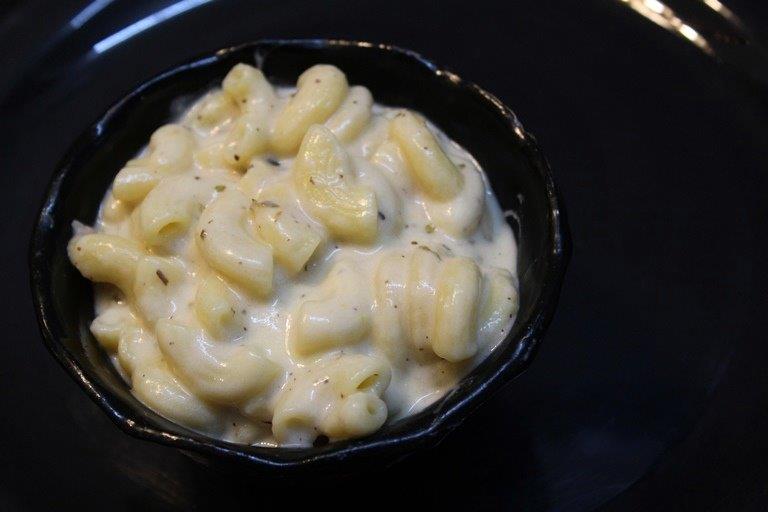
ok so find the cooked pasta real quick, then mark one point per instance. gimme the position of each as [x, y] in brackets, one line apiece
[286, 266]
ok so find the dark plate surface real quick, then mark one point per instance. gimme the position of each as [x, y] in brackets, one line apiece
[650, 391]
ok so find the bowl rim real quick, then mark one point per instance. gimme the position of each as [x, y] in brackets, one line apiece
[526, 343]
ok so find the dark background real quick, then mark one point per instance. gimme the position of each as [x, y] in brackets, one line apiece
[650, 391]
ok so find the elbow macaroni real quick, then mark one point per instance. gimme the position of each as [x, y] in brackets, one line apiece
[337, 314]
[292, 240]
[221, 374]
[325, 180]
[320, 90]
[338, 397]
[156, 286]
[217, 307]
[353, 114]
[285, 267]
[170, 209]
[224, 242]
[428, 164]
[106, 258]
[169, 152]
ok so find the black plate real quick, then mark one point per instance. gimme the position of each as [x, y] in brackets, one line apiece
[649, 391]
[469, 115]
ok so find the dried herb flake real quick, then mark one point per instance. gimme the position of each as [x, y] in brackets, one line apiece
[425, 248]
[162, 277]
[264, 204]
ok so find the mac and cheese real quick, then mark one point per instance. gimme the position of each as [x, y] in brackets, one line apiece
[288, 266]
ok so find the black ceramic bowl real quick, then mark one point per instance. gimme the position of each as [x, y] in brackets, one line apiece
[476, 119]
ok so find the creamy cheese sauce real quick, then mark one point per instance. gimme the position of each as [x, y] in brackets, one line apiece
[407, 221]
